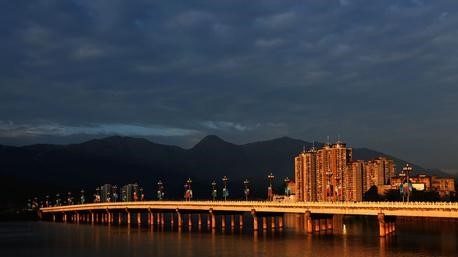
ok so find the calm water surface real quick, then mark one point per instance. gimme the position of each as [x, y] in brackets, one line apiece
[413, 238]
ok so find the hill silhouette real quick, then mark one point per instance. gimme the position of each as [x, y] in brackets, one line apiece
[42, 169]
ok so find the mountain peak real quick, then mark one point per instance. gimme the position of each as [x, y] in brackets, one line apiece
[211, 141]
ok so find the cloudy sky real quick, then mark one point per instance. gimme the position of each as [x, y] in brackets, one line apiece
[381, 74]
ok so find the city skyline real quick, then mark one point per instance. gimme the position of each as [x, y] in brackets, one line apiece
[382, 75]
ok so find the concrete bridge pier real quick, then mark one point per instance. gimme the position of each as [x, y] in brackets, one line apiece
[189, 220]
[223, 221]
[128, 217]
[241, 220]
[199, 220]
[264, 223]
[179, 219]
[139, 218]
[272, 222]
[232, 222]
[387, 224]
[255, 220]
[280, 222]
[172, 221]
[212, 219]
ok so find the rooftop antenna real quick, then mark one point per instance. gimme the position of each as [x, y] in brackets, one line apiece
[327, 141]
[303, 148]
[338, 138]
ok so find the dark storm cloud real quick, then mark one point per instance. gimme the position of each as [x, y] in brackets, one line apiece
[246, 70]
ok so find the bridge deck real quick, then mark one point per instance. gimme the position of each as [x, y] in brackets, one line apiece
[411, 209]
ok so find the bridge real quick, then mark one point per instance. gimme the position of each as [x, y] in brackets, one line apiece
[317, 215]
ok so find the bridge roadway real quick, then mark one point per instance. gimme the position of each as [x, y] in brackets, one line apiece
[315, 213]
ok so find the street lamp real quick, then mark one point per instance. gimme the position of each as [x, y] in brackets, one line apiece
[97, 195]
[214, 190]
[58, 203]
[338, 188]
[225, 190]
[69, 198]
[115, 193]
[82, 198]
[246, 191]
[287, 189]
[160, 190]
[188, 190]
[270, 193]
[406, 186]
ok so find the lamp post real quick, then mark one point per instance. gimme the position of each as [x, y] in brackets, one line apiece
[338, 189]
[69, 198]
[287, 189]
[115, 193]
[142, 195]
[160, 190]
[225, 190]
[82, 198]
[188, 190]
[406, 186]
[214, 190]
[97, 195]
[58, 203]
[270, 193]
[246, 191]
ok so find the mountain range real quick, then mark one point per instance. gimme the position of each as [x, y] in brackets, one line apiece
[45, 169]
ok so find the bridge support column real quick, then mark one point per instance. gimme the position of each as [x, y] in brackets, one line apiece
[317, 225]
[264, 223]
[223, 221]
[280, 222]
[272, 222]
[232, 221]
[172, 221]
[381, 222]
[129, 218]
[255, 220]
[189, 220]
[308, 222]
[179, 219]
[92, 218]
[209, 222]
[162, 219]
[199, 220]
[139, 218]
[158, 218]
[241, 220]
[77, 218]
[213, 219]
[119, 218]
[323, 224]
[54, 217]
[329, 223]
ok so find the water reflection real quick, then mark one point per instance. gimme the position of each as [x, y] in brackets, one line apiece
[359, 238]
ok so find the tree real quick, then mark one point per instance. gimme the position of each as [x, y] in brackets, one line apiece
[372, 195]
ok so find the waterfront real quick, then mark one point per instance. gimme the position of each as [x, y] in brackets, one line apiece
[420, 237]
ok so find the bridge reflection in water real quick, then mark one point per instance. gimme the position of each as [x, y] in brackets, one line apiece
[315, 216]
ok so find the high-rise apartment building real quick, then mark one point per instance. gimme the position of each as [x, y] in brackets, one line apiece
[320, 174]
[355, 181]
[330, 174]
[379, 172]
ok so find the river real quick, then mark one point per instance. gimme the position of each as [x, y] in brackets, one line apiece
[359, 239]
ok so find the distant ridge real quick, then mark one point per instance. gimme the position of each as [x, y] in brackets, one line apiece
[120, 160]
